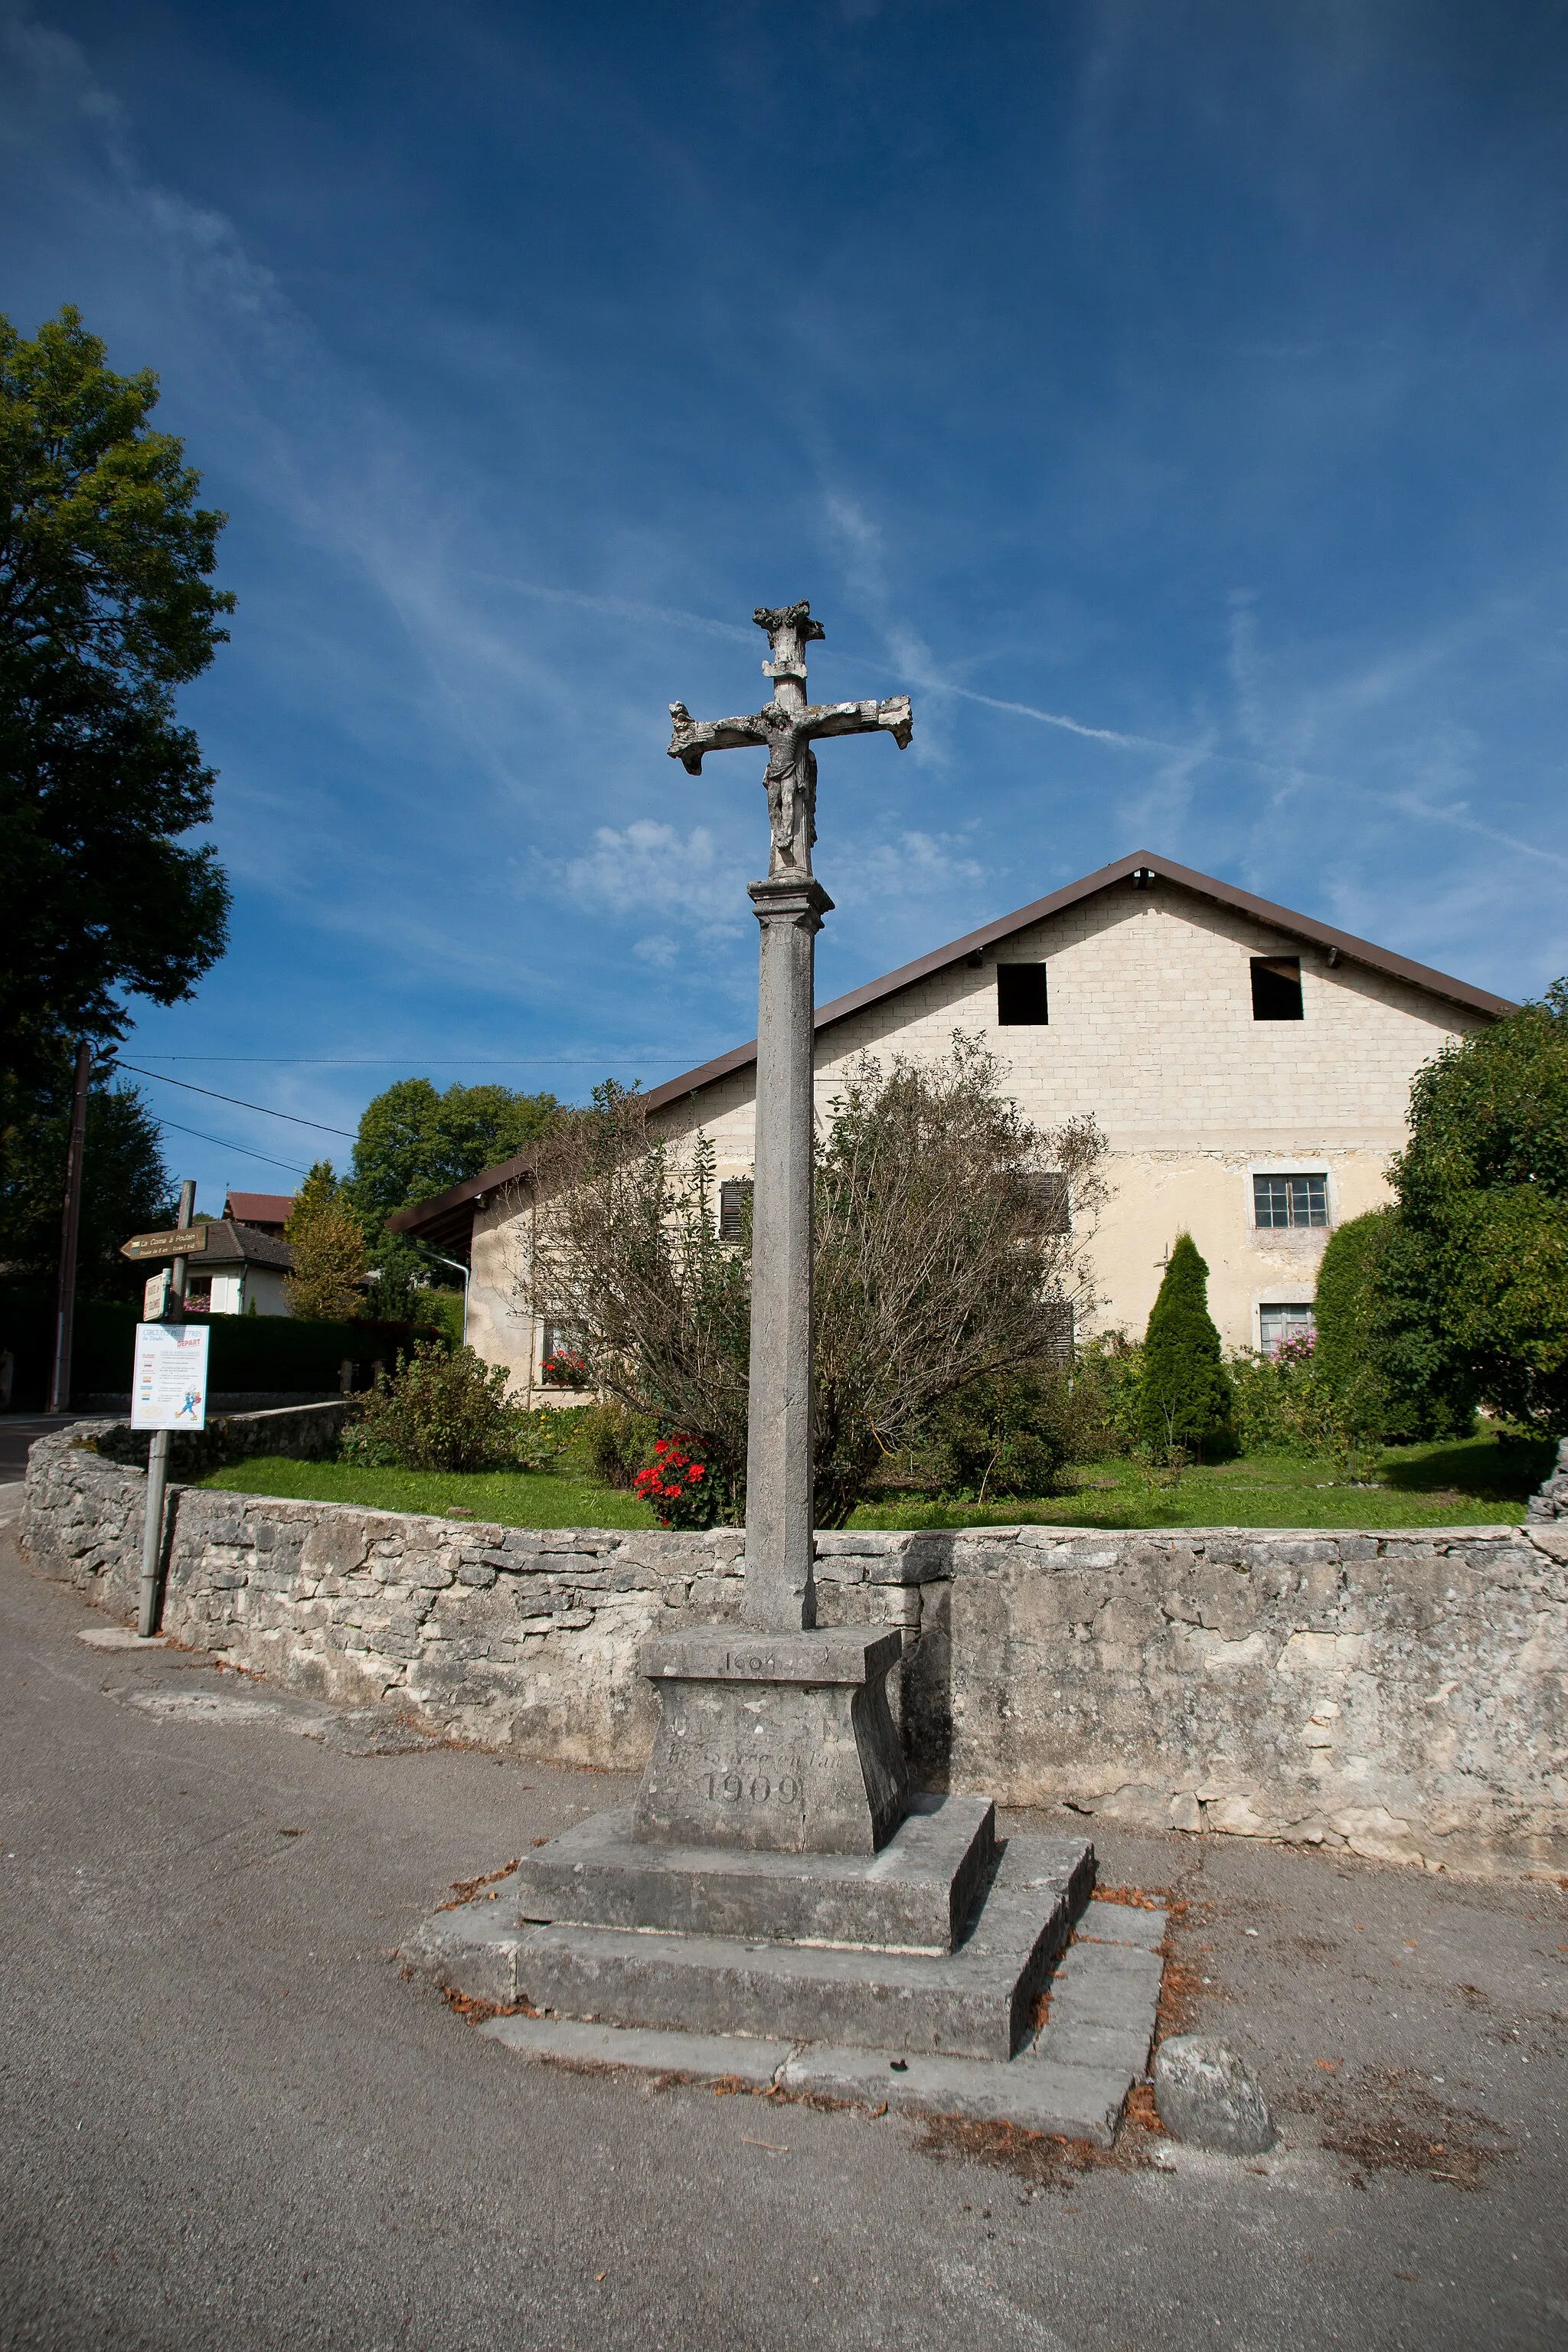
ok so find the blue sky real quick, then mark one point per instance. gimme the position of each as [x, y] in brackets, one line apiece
[1171, 398]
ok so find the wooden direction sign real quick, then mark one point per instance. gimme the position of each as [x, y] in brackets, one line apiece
[184, 1240]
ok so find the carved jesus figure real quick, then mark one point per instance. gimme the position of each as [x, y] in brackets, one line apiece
[787, 727]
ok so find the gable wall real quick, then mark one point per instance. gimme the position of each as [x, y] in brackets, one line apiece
[1151, 1031]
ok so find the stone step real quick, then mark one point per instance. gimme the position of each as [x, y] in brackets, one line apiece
[972, 2002]
[915, 1895]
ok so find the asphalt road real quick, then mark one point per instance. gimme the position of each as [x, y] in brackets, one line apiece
[229, 2121]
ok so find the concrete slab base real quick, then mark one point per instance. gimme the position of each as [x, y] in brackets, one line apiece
[1066, 2082]
[931, 2033]
[121, 1637]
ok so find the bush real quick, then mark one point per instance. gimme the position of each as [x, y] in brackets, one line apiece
[1004, 1434]
[440, 1410]
[1282, 1404]
[1183, 1397]
[677, 1486]
[1101, 1387]
[615, 1444]
[1350, 1359]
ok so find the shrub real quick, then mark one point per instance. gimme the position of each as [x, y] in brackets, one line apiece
[1350, 1357]
[1282, 1404]
[441, 1410]
[1100, 1400]
[615, 1444]
[1004, 1434]
[677, 1486]
[1183, 1397]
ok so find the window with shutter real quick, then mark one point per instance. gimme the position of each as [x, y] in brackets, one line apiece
[734, 1199]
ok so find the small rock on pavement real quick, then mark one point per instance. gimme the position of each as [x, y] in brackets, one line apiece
[1206, 2095]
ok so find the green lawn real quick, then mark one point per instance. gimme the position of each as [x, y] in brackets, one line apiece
[1483, 1480]
[507, 1498]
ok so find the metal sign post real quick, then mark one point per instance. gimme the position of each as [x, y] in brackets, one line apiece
[168, 1390]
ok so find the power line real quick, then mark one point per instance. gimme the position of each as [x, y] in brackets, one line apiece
[292, 1117]
[244, 1150]
[440, 1062]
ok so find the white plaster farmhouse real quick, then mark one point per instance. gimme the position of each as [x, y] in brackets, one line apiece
[1250, 1067]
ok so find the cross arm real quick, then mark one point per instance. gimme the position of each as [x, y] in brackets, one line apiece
[689, 738]
[862, 719]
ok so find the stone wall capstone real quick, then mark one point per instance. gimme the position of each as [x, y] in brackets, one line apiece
[1400, 1692]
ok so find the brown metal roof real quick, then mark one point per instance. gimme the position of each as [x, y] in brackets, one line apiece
[262, 1208]
[450, 1214]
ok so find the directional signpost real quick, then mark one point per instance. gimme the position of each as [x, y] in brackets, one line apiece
[169, 1382]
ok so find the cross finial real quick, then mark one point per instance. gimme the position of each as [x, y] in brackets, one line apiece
[787, 726]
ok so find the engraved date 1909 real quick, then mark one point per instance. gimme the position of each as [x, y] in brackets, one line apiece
[752, 1787]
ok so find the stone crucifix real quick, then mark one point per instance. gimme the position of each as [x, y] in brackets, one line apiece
[780, 1589]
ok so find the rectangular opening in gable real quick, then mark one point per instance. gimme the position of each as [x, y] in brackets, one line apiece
[1276, 988]
[1021, 1001]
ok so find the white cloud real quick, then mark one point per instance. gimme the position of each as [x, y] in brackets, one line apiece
[660, 950]
[648, 867]
[909, 865]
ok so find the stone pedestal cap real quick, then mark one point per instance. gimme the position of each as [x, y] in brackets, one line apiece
[849, 1653]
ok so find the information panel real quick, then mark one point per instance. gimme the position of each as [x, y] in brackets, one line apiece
[168, 1385]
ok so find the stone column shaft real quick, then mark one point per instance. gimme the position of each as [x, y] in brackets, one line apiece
[780, 1590]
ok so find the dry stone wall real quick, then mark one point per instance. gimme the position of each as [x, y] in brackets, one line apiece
[1403, 1693]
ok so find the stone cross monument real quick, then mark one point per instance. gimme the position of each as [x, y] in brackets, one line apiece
[791, 904]
[776, 1876]
[783, 1738]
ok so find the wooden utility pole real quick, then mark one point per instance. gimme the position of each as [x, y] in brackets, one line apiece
[70, 1226]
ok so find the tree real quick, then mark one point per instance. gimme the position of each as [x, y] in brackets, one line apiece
[328, 1242]
[126, 1186]
[1184, 1397]
[413, 1142]
[105, 608]
[1472, 1283]
[942, 1255]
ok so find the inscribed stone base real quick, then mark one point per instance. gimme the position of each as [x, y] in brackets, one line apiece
[774, 1741]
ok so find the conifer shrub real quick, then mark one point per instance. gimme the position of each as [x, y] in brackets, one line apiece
[1185, 1398]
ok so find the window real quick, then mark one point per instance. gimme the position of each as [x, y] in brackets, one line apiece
[1277, 1323]
[1276, 988]
[1021, 995]
[734, 1200]
[1280, 1200]
[562, 1340]
[1048, 1196]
